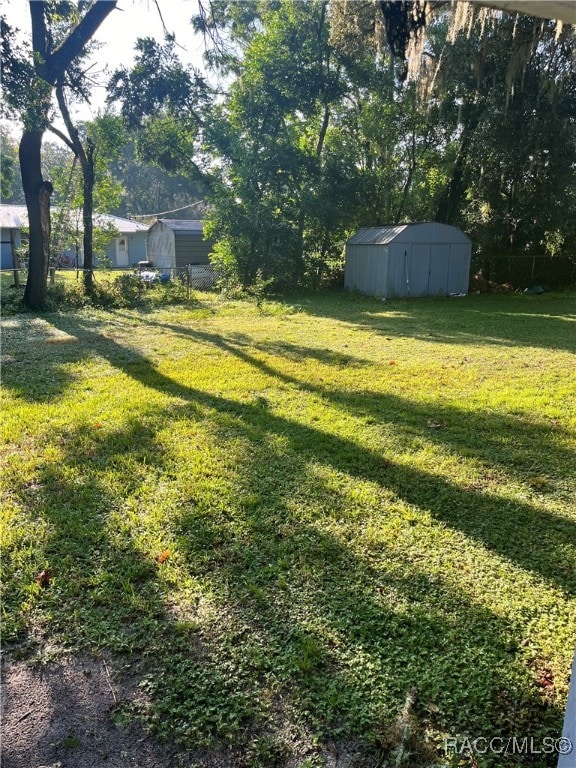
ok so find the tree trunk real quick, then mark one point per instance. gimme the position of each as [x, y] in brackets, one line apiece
[37, 193]
[449, 202]
[50, 65]
[87, 210]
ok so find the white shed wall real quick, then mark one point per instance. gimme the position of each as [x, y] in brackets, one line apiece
[161, 248]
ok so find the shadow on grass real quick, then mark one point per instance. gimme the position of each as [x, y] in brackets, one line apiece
[547, 321]
[534, 539]
[499, 440]
[306, 628]
[305, 631]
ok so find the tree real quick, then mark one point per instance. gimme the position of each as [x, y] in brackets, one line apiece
[509, 88]
[60, 33]
[269, 139]
[162, 103]
[9, 176]
[148, 189]
[495, 94]
[101, 141]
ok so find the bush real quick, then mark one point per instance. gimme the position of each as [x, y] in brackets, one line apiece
[66, 296]
[123, 291]
[11, 301]
[224, 261]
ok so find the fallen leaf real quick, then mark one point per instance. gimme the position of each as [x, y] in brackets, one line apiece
[392, 362]
[44, 578]
[546, 680]
[163, 556]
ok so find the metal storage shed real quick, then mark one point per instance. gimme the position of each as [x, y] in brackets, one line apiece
[177, 243]
[425, 259]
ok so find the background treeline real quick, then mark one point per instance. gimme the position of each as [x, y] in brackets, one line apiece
[315, 130]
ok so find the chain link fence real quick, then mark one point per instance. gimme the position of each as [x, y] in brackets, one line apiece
[200, 277]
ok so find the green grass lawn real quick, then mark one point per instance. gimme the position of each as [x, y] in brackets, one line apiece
[292, 522]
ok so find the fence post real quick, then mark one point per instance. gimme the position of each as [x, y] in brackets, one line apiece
[15, 263]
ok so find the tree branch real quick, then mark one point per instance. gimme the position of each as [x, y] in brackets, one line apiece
[77, 147]
[74, 44]
[39, 34]
[62, 137]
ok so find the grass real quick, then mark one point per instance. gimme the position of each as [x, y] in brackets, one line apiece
[332, 526]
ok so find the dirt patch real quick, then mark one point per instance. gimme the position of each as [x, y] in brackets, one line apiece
[59, 714]
[66, 712]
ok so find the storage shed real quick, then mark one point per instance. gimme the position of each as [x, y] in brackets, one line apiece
[425, 259]
[177, 243]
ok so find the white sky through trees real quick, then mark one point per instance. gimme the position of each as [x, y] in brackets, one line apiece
[117, 36]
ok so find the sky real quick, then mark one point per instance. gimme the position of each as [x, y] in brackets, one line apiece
[118, 33]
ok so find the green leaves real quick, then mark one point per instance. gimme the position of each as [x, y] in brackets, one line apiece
[167, 142]
[158, 84]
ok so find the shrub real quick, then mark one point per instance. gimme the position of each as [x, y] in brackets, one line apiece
[120, 292]
[224, 261]
[66, 296]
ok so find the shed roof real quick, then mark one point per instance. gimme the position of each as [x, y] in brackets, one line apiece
[377, 235]
[183, 225]
[16, 216]
[403, 232]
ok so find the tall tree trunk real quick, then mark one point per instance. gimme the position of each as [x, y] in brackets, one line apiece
[50, 65]
[37, 193]
[87, 211]
[323, 130]
[449, 202]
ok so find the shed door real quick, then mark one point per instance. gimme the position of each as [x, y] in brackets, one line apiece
[398, 270]
[439, 267]
[419, 266]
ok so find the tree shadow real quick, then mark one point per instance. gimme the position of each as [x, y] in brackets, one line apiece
[548, 322]
[532, 537]
[269, 567]
[294, 605]
[499, 440]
